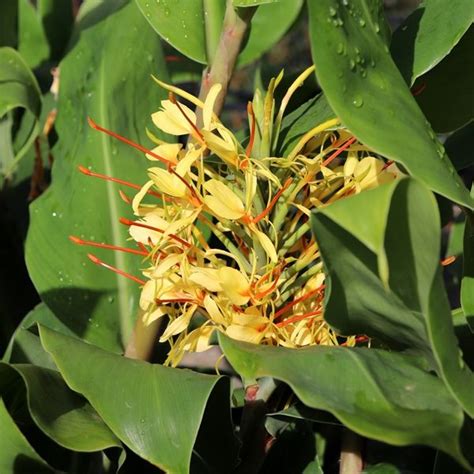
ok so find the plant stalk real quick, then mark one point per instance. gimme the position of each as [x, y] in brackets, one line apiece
[351, 453]
[143, 339]
[222, 64]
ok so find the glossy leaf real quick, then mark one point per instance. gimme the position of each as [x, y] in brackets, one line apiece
[385, 278]
[269, 23]
[63, 415]
[94, 303]
[190, 25]
[365, 89]
[447, 90]
[429, 34]
[16, 454]
[156, 411]
[373, 392]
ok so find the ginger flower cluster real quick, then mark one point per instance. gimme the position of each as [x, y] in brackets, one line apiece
[224, 226]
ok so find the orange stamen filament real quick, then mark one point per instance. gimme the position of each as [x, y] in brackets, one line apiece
[88, 172]
[298, 300]
[129, 142]
[91, 243]
[156, 229]
[98, 261]
[357, 340]
[347, 144]
[252, 129]
[448, 260]
[297, 318]
[172, 98]
[387, 164]
[267, 210]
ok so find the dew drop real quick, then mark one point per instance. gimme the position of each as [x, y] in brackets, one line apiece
[340, 48]
[332, 11]
[357, 101]
[377, 28]
[352, 64]
[362, 22]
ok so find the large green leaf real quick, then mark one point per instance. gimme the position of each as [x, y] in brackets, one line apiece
[429, 34]
[60, 413]
[16, 454]
[381, 251]
[96, 304]
[365, 89]
[156, 411]
[193, 26]
[447, 91]
[18, 88]
[381, 395]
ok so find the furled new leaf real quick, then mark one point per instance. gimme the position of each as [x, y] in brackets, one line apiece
[366, 91]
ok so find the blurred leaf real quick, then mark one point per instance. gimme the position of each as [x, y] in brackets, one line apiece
[455, 242]
[8, 23]
[18, 88]
[385, 278]
[269, 24]
[156, 411]
[447, 92]
[429, 34]
[16, 454]
[365, 89]
[467, 284]
[459, 147]
[373, 392]
[32, 41]
[64, 416]
[381, 468]
[252, 3]
[308, 115]
[95, 304]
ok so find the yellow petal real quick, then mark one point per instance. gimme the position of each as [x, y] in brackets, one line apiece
[198, 340]
[179, 324]
[267, 245]
[207, 278]
[171, 120]
[224, 148]
[139, 234]
[235, 285]
[213, 310]
[139, 197]
[168, 151]
[222, 201]
[244, 333]
[151, 317]
[167, 183]
[207, 112]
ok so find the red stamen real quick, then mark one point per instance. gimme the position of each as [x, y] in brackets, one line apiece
[338, 152]
[273, 285]
[88, 172]
[299, 300]
[98, 261]
[448, 260]
[124, 197]
[297, 318]
[156, 229]
[172, 59]
[419, 89]
[387, 164]
[91, 243]
[129, 142]
[173, 100]
[252, 129]
[273, 202]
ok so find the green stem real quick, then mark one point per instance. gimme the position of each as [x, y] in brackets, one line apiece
[213, 14]
[143, 339]
[234, 29]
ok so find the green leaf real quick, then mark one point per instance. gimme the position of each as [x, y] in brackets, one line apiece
[17, 455]
[8, 23]
[447, 90]
[373, 392]
[308, 115]
[385, 278]
[252, 3]
[429, 34]
[94, 303]
[365, 89]
[63, 415]
[458, 145]
[269, 24]
[18, 88]
[32, 41]
[467, 284]
[156, 411]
